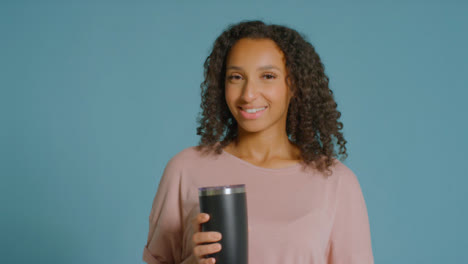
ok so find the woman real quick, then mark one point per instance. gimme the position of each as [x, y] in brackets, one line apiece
[269, 121]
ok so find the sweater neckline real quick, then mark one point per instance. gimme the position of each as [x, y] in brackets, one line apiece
[291, 168]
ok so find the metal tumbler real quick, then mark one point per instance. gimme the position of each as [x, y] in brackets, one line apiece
[227, 207]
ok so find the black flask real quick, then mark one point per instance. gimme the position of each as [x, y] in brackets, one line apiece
[227, 207]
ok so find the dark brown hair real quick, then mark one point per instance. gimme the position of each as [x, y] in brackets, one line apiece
[312, 121]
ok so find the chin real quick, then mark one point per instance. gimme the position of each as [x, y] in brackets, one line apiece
[252, 128]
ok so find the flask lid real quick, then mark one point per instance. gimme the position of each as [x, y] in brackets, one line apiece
[219, 190]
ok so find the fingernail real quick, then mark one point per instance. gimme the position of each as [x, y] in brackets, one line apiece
[213, 260]
[217, 236]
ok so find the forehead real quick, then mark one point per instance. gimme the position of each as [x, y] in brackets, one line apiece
[253, 53]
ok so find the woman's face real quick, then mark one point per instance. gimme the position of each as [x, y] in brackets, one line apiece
[256, 90]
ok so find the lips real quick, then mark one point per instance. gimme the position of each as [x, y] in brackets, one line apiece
[255, 115]
[252, 109]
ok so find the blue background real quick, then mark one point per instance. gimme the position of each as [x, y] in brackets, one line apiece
[96, 97]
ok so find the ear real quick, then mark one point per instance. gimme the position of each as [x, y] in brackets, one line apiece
[290, 93]
[290, 87]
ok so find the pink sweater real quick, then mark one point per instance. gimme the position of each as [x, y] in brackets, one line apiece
[295, 216]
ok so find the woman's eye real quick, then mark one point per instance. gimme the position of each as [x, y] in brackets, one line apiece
[269, 76]
[234, 77]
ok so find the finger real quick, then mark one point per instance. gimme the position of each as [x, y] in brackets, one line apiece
[200, 218]
[203, 218]
[208, 261]
[204, 237]
[203, 250]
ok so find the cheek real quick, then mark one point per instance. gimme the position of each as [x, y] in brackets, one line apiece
[228, 95]
[277, 95]
[230, 98]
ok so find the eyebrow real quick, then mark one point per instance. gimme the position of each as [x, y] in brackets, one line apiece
[266, 67]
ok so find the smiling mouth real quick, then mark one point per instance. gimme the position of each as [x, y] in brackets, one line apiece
[252, 113]
[253, 110]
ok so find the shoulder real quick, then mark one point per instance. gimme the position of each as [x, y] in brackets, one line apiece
[187, 164]
[181, 162]
[342, 174]
[184, 155]
[187, 158]
[345, 178]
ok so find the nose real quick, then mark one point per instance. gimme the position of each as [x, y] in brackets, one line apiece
[249, 91]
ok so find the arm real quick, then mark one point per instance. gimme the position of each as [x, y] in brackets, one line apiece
[164, 244]
[350, 240]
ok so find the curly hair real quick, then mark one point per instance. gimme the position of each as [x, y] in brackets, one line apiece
[312, 119]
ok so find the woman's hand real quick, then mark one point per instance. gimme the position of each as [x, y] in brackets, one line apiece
[200, 238]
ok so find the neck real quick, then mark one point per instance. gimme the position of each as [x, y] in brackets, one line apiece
[264, 146]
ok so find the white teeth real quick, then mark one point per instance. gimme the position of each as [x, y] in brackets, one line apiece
[253, 110]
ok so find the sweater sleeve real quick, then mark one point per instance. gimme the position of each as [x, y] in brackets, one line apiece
[164, 244]
[350, 240]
